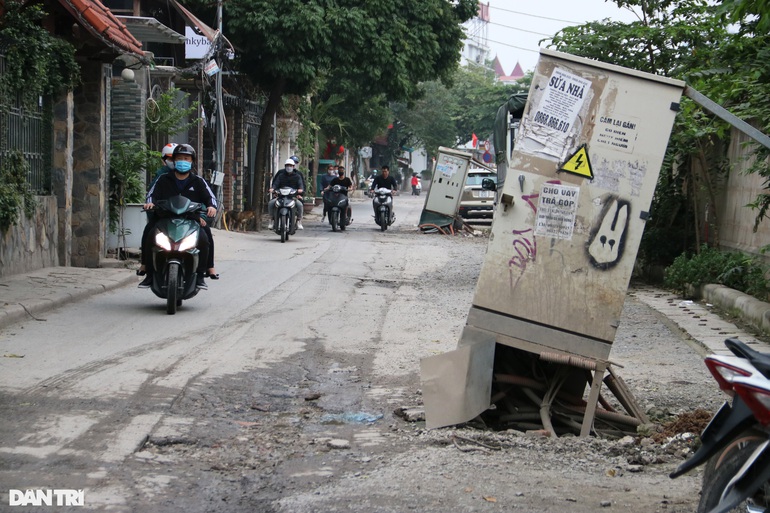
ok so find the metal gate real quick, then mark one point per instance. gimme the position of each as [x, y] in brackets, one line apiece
[27, 128]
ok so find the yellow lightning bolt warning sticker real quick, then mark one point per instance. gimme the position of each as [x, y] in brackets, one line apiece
[579, 164]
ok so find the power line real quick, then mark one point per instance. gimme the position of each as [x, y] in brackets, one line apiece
[514, 46]
[520, 29]
[535, 15]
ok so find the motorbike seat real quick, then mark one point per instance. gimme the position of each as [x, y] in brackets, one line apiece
[760, 361]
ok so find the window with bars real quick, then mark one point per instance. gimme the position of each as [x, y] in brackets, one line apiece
[28, 129]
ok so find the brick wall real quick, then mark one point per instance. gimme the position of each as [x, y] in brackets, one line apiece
[127, 118]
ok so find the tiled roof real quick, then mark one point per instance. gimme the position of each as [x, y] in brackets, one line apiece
[100, 21]
[498, 67]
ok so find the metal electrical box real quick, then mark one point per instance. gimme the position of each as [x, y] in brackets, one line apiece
[566, 229]
[574, 204]
[448, 181]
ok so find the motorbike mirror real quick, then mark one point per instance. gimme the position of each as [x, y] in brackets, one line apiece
[488, 184]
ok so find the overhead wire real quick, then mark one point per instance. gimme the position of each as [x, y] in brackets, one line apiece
[520, 29]
[536, 15]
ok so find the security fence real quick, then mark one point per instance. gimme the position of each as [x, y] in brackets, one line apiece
[28, 129]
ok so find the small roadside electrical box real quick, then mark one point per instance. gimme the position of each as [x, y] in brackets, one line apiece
[449, 175]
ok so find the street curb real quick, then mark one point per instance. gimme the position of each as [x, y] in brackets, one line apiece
[752, 310]
[13, 313]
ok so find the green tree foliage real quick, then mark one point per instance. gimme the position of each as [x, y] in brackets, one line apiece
[383, 46]
[37, 62]
[446, 116]
[687, 40]
[15, 194]
[478, 96]
[429, 122]
[169, 114]
[128, 162]
[365, 115]
[731, 269]
[670, 38]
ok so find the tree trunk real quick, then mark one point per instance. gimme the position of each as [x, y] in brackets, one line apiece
[314, 169]
[712, 219]
[694, 186]
[261, 174]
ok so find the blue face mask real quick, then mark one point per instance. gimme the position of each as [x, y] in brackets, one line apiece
[183, 166]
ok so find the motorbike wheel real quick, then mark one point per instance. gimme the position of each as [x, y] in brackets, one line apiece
[723, 466]
[334, 218]
[383, 221]
[283, 226]
[173, 288]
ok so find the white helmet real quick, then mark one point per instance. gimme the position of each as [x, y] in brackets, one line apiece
[289, 162]
[168, 150]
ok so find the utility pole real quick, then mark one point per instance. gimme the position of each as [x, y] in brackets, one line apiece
[220, 146]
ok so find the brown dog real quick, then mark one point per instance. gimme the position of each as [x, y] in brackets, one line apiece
[239, 221]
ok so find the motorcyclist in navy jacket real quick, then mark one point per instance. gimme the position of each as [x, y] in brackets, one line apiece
[183, 182]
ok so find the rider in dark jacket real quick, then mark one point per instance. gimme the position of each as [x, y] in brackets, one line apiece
[287, 177]
[386, 181]
[182, 182]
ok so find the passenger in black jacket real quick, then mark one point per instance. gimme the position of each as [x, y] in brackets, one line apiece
[182, 182]
[287, 177]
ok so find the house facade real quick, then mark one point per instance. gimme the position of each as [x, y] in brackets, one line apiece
[129, 53]
[72, 139]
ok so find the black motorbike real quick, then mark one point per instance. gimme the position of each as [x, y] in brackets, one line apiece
[337, 206]
[175, 253]
[285, 220]
[383, 207]
[735, 446]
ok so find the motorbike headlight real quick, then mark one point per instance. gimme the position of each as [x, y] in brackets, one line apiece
[163, 241]
[388, 200]
[290, 204]
[189, 242]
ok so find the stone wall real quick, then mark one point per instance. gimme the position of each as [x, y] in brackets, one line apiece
[31, 243]
[736, 220]
[61, 173]
[91, 145]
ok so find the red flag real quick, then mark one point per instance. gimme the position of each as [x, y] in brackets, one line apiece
[475, 140]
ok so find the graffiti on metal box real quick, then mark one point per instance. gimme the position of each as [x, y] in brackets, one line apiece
[524, 241]
[608, 237]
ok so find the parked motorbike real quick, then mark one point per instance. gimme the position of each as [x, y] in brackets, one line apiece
[285, 220]
[383, 207]
[736, 443]
[337, 207]
[175, 253]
